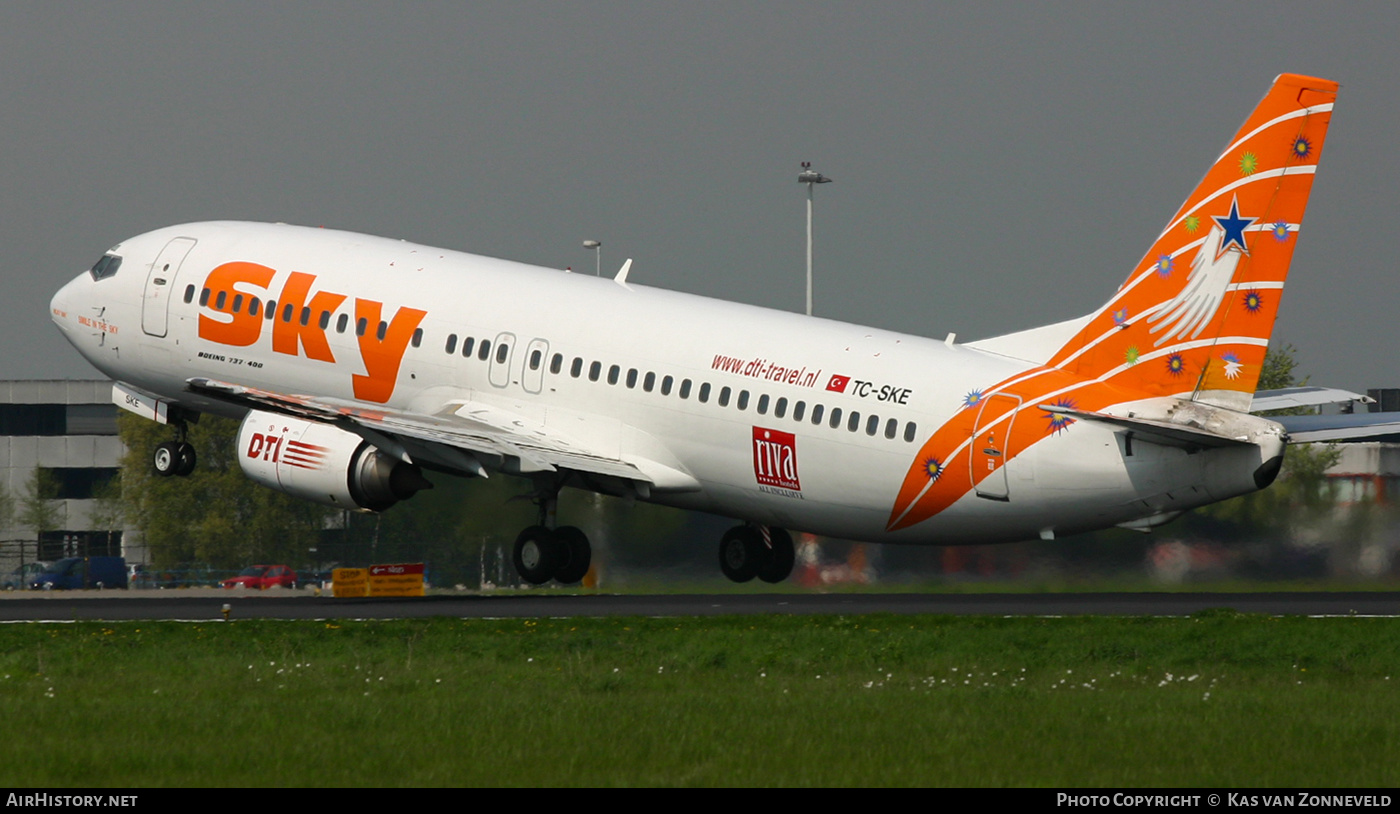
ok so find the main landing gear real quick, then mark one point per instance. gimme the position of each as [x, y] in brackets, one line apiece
[174, 457]
[746, 552]
[543, 552]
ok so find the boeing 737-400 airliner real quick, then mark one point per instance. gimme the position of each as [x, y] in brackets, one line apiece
[359, 363]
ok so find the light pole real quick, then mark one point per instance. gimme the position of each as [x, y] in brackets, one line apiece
[597, 247]
[810, 177]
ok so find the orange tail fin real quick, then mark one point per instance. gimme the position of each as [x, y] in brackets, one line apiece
[1195, 316]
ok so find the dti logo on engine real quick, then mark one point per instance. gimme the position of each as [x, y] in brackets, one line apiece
[297, 453]
[265, 447]
[775, 459]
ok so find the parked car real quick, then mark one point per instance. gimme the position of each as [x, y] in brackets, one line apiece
[20, 578]
[73, 573]
[263, 577]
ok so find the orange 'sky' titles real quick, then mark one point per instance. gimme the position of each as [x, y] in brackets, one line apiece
[382, 345]
[239, 329]
[303, 326]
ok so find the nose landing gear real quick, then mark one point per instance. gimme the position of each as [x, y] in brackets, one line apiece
[174, 457]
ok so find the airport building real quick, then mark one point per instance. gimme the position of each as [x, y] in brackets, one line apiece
[1369, 471]
[59, 453]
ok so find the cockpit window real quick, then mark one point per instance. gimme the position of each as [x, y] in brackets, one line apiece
[106, 267]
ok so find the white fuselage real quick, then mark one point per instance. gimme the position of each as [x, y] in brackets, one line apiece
[673, 354]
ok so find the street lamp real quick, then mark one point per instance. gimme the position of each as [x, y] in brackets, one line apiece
[810, 177]
[597, 247]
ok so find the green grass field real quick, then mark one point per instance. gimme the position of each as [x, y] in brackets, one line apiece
[1219, 699]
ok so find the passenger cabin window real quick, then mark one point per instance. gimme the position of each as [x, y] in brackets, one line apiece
[909, 432]
[271, 311]
[287, 313]
[324, 322]
[382, 331]
[344, 320]
[219, 302]
[666, 385]
[556, 364]
[798, 410]
[891, 428]
[835, 417]
[467, 345]
[360, 325]
[576, 368]
[724, 397]
[484, 351]
[189, 294]
[536, 357]
[685, 388]
[417, 336]
[306, 315]
[613, 373]
[763, 404]
[817, 413]
[854, 423]
[631, 378]
[237, 303]
[743, 403]
[451, 343]
[106, 266]
[872, 425]
[253, 307]
[594, 371]
[649, 383]
[502, 351]
[780, 409]
[704, 392]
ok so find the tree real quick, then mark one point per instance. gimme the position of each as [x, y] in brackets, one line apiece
[108, 513]
[37, 506]
[1299, 495]
[217, 515]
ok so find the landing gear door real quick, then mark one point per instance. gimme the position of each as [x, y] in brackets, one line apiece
[160, 281]
[536, 354]
[991, 438]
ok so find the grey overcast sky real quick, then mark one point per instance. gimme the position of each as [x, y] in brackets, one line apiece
[997, 165]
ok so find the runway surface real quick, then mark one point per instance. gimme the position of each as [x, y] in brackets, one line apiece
[208, 605]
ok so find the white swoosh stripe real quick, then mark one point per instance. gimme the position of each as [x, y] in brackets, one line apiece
[1307, 111]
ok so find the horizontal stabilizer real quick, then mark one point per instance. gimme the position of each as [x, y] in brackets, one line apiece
[1157, 432]
[1307, 429]
[1291, 397]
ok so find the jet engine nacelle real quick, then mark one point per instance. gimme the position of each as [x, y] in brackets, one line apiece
[320, 462]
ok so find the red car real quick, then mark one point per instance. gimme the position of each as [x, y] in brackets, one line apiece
[263, 577]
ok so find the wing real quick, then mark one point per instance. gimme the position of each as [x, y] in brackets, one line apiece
[1309, 396]
[467, 436]
[1354, 428]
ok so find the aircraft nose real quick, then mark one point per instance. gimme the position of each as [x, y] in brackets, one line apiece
[61, 306]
